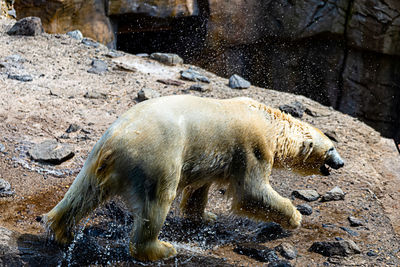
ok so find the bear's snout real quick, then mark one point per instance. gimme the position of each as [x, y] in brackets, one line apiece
[334, 160]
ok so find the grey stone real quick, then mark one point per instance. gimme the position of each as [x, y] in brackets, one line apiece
[51, 151]
[333, 195]
[2, 147]
[335, 248]
[355, 222]
[90, 42]
[5, 189]
[349, 231]
[237, 82]
[194, 76]
[306, 194]
[257, 252]
[20, 77]
[76, 34]
[147, 93]
[287, 251]
[29, 26]
[296, 109]
[98, 67]
[95, 95]
[199, 88]
[113, 54]
[167, 58]
[72, 128]
[304, 209]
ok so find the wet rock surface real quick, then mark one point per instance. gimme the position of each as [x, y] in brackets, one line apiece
[29, 114]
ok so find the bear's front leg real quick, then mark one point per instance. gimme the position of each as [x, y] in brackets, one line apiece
[255, 198]
[194, 201]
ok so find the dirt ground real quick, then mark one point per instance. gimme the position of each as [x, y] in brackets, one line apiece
[42, 109]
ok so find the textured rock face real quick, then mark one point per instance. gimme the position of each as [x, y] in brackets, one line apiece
[375, 25]
[155, 8]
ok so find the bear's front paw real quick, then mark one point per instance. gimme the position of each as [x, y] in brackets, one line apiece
[209, 217]
[295, 220]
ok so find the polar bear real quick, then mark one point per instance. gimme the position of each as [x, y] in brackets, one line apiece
[165, 146]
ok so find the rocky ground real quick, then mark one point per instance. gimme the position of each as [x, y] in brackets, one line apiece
[50, 82]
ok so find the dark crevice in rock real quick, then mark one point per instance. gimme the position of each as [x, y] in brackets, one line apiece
[345, 55]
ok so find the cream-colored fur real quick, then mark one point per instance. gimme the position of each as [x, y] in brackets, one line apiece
[186, 143]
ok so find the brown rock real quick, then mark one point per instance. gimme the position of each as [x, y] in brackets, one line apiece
[160, 9]
[59, 16]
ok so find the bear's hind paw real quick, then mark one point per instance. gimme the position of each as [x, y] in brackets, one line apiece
[153, 251]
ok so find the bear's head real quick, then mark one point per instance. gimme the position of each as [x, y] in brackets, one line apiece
[318, 155]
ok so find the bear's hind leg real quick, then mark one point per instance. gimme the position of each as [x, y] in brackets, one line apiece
[144, 244]
[194, 202]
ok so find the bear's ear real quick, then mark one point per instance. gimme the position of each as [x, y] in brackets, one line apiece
[307, 148]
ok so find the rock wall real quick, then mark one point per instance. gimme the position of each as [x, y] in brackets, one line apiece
[342, 53]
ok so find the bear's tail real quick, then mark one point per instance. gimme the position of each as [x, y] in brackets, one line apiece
[84, 195]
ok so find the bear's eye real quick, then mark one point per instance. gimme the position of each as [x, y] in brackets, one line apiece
[331, 149]
[257, 153]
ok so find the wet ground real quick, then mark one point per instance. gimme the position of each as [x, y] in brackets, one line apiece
[42, 109]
